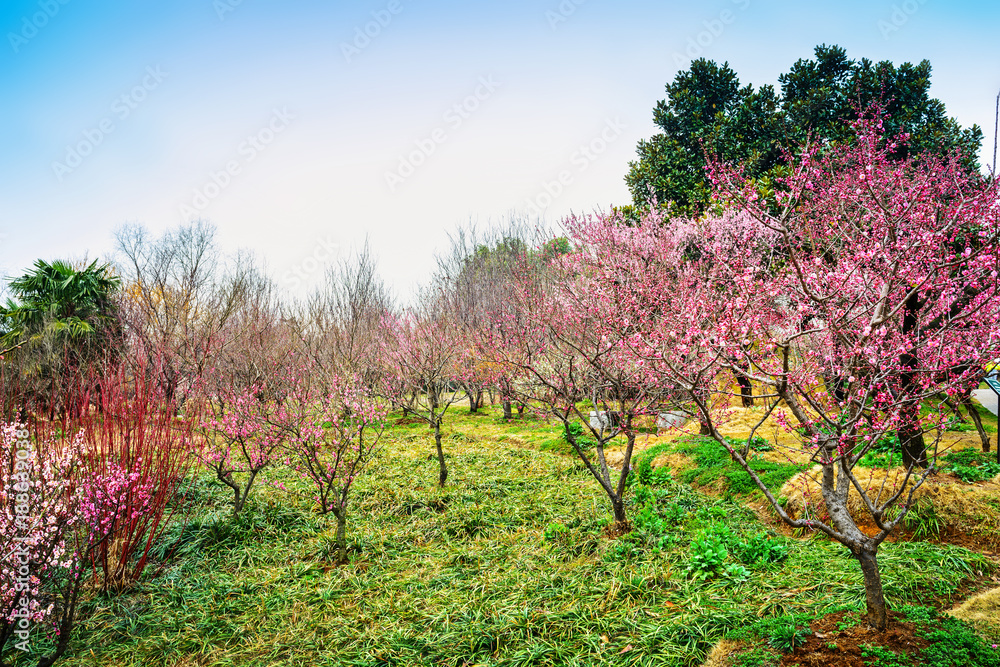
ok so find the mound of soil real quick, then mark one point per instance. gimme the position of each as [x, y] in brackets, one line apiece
[829, 645]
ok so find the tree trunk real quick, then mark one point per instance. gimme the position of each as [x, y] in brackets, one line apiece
[874, 596]
[66, 623]
[507, 414]
[911, 436]
[239, 493]
[977, 420]
[443, 475]
[621, 521]
[746, 389]
[341, 515]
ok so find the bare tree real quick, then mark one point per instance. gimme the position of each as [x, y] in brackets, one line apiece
[338, 325]
[178, 297]
[476, 279]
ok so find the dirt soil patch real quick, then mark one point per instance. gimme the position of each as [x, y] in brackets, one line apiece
[829, 645]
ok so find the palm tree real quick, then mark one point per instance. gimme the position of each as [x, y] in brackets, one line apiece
[61, 322]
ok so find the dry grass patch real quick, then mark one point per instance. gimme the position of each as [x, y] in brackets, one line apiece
[720, 653]
[943, 505]
[983, 613]
[673, 461]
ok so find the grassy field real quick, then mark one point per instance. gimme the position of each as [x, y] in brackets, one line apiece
[509, 565]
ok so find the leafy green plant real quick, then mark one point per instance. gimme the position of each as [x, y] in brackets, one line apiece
[554, 532]
[883, 657]
[757, 443]
[952, 642]
[918, 614]
[654, 524]
[786, 637]
[955, 643]
[736, 573]
[971, 465]
[923, 520]
[706, 556]
[712, 513]
[849, 621]
[757, 657]
[645, 473]
[761, 548]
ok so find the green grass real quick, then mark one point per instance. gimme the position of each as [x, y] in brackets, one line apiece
[508, 565]
[989, 420]
[713, 463]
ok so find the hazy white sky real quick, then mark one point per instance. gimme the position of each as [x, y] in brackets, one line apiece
[301, 127]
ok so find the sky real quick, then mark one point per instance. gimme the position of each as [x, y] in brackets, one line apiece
[301, 128]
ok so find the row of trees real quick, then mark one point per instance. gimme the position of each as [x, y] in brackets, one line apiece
[855, 289]
[125, 375]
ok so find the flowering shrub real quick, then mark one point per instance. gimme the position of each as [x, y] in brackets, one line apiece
[38, 554]
[134, 455]
[68, 502]
[330, 440]
[243, 440]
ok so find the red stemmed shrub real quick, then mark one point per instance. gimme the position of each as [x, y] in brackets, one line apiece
[133, 441]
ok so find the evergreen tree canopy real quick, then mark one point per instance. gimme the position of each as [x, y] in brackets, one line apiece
[707, 109]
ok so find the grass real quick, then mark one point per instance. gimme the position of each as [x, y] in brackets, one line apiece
[713, 464]
[508, 565]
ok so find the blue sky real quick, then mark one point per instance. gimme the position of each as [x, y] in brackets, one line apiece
[298, 138]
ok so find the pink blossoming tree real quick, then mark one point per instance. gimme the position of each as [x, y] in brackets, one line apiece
[562, 339]
[854, 291]
[422, 351]
[330, 437]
